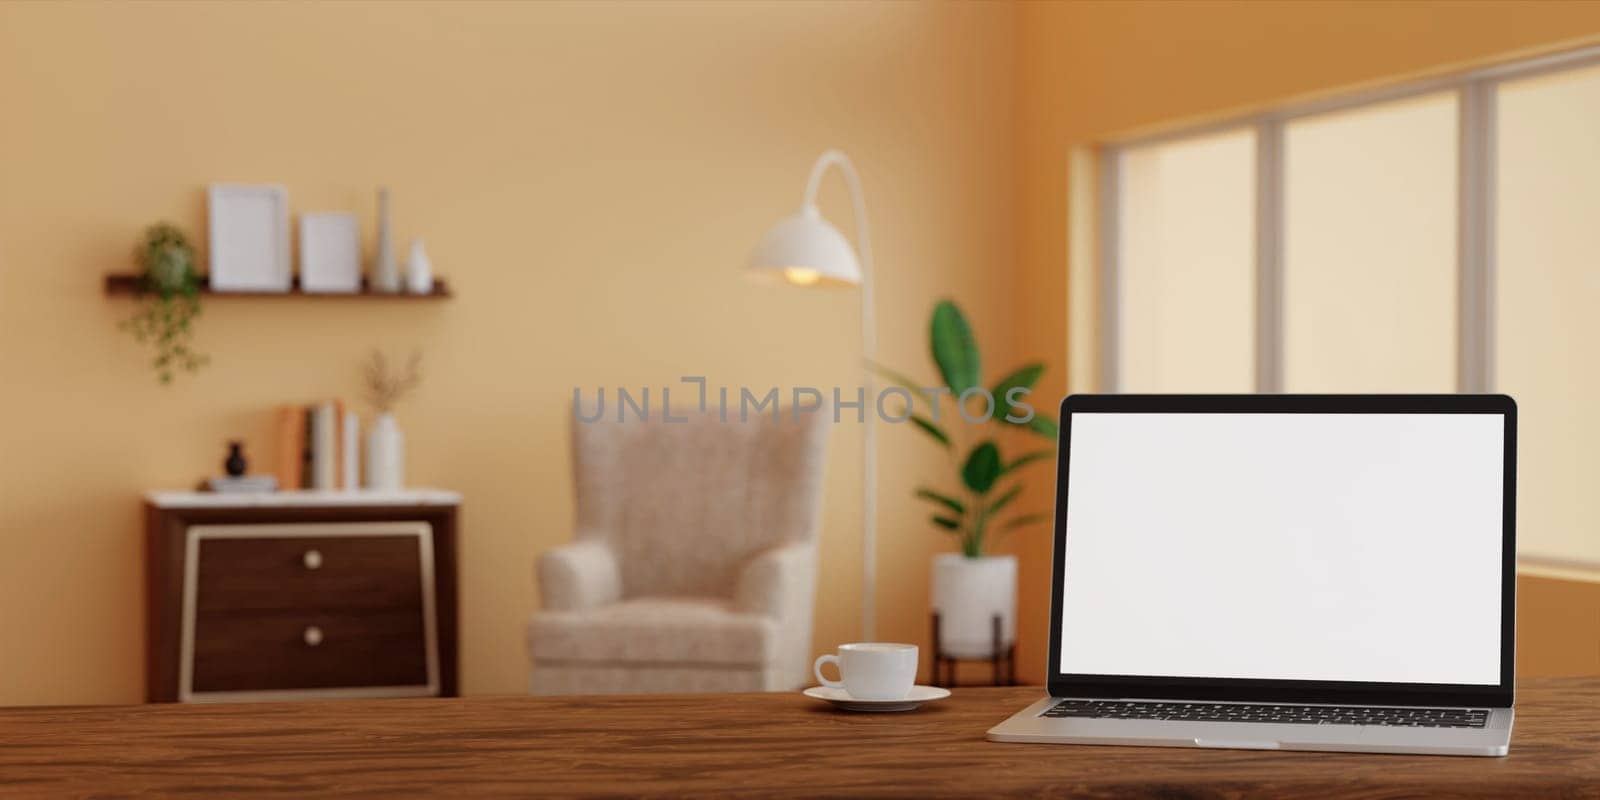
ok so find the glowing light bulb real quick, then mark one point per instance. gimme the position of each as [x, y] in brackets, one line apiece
[801, 276]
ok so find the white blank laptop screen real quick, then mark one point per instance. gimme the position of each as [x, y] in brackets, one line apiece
[1323, 547]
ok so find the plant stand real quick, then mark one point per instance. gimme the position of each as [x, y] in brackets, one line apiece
[1004, 662]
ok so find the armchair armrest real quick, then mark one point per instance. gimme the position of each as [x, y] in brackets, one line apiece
[779, 583]
[577, 576]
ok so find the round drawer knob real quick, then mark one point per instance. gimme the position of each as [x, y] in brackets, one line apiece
[313, 635]
[312, 559]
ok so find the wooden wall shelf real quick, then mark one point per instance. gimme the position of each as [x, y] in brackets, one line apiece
[127, 283]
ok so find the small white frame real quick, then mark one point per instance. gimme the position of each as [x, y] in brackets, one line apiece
[330, 252]
[249, 233]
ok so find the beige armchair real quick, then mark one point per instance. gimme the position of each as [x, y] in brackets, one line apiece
[694, 562]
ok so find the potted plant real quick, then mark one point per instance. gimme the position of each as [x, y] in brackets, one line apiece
[963, 417]
[170, 289]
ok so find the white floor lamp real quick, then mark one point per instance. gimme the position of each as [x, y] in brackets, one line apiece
[804, 250]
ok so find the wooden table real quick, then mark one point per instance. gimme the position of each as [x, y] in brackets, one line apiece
[756, 745]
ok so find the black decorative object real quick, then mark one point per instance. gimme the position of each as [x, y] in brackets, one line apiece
[235, 463]
[1003, 660]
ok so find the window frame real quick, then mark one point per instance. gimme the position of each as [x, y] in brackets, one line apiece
[1476, 92]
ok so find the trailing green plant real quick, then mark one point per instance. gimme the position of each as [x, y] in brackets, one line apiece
[169, 300]
[987, 477]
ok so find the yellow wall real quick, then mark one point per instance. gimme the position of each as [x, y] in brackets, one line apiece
[590, 178]
[1091, 70]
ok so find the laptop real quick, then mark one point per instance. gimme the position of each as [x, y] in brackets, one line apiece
[1282, 572]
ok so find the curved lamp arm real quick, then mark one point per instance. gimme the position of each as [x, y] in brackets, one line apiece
[869, 348]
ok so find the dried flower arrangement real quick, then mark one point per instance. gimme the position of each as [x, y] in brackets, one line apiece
[386, 385]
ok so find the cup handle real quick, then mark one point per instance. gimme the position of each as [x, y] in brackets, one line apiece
[816, 669]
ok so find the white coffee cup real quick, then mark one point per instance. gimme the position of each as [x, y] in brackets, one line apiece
[872, 670]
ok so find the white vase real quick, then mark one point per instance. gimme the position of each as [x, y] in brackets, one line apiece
[386, 454]
[967, 594]
[419, 269]
[385, 272]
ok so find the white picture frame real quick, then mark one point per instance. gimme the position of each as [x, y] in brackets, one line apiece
[330, 253]
[249, 231]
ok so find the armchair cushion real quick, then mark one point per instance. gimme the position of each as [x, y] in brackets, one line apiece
[779, 582]
[579, 575]
[655, 630]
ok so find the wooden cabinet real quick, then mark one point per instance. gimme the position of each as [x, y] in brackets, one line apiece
[300, 595]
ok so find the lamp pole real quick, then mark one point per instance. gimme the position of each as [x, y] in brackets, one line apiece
[869, 348]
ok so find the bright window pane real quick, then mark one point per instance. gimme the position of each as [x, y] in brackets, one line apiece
[1547, 275]
[1370, 249]
[1187, 265]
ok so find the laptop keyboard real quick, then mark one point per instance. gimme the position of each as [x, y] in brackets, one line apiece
[1257, 712]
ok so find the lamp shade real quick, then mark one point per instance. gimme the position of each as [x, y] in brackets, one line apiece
[805, 250]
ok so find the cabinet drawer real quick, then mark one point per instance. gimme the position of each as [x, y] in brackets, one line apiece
[308, 573]
[278, 652]
[305, 610]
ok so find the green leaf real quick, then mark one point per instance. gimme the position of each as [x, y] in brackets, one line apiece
[896, 378]
[1044, 426]
[933, 430]
[1025, 377]
[1003, 501]
[943, 499]
[946, 522]
[1037, 455]
[1025, 519]
[982, 467]
[169, 301]
[954, 348]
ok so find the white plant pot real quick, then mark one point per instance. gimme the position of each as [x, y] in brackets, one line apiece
[386, 454]
[967, 594]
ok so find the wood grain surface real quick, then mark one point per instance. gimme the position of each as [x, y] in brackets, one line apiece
[268, 651]
[366, 640]
[242, 576]
[751, 745]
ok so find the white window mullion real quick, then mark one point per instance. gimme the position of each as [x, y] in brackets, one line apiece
[1269, 256]
[1083, 300]
[1110, 227]
[1475, 239]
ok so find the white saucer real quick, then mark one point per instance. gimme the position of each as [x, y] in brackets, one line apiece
[842, 699]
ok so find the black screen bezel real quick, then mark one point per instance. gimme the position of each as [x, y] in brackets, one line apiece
[1291, 691]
